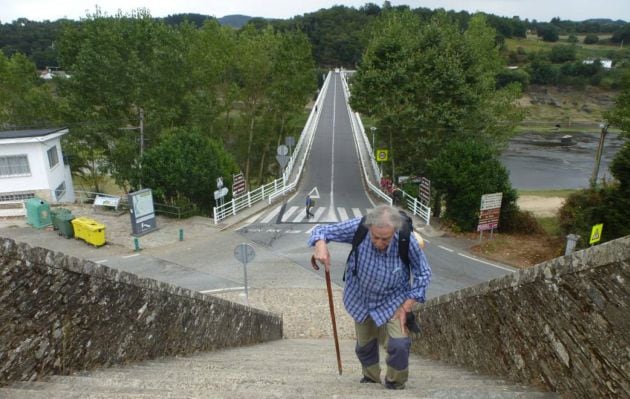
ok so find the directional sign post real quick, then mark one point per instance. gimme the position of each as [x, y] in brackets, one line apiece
[245, 253]
[489, 213]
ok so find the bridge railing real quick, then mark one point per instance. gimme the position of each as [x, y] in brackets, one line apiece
[373, 176]
[280, 186]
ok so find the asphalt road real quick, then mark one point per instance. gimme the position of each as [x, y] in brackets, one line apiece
[332, 175]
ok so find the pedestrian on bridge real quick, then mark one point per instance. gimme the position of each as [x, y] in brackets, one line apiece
[380, 289]
[309, 205]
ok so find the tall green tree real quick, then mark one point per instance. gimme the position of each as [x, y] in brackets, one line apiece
[430, 83]
[25, 99]
[124, 68]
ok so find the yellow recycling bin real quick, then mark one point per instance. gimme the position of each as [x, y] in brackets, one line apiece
[89, 230]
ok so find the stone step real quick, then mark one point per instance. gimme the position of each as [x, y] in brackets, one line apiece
[279, 369]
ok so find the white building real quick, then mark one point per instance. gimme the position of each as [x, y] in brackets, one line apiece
[32, 165]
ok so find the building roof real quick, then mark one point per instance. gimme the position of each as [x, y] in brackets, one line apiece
[20, 134]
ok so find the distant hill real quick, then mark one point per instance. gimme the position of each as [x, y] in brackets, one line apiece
[236, 21]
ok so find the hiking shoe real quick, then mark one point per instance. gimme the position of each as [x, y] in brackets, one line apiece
[367, 380]
[393, 385]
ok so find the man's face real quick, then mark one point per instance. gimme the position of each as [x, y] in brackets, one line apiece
[381, 236]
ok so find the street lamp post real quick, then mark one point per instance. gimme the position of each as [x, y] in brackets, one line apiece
[598, 154]
[373, 129]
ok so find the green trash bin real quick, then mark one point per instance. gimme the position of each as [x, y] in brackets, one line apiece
[64, 224]
[55, 213]
[37, 213]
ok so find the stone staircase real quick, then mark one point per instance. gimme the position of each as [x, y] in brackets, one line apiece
[290, 368]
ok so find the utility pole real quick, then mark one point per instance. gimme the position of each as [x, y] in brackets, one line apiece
[141, 132]
[598, 154]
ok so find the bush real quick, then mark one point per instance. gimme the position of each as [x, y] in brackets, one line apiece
[591, 38]
[508, 76]
[562, 53]
[463, 171]
[518, 221]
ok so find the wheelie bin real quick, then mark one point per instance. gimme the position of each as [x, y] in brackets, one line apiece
[64, 224]
[89, 230]
[54, 212]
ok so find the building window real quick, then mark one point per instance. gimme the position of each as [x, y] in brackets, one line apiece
[60, 191]
[53, 157]
[14, 165]
[16, 196]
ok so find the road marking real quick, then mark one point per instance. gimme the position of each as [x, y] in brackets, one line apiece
[274, 230]
[446, 249]
[300, 215]
[343, 215]
[357, 212]
[309, 230]
[487, 263]
[272, 214]
[293, 231]
[129, 256]
[215, 291]
[288, 213]
[100, 261]
[318, 214]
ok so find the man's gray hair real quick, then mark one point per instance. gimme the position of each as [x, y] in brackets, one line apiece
[384, 216]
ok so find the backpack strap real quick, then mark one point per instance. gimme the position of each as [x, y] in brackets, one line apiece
[403, 238]
[357, 239]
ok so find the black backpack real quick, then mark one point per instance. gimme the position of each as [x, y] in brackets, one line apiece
[403, 241]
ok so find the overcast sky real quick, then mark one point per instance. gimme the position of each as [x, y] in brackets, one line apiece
[541, 10]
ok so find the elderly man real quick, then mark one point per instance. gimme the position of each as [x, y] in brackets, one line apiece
[380, 289]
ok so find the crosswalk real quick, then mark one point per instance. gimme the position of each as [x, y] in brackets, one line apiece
[297, 214]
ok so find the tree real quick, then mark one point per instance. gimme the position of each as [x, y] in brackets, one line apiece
[25, 100]
[430, 83]
[122, 67]
[562, 53]
[548, 32]
[184, 166]
[591, 38]
[464, 170]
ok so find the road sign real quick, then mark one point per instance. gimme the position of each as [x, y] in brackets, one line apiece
[425, 191]
[596, 234]
[244, 253]
[220, 193]
[238, 184]
[283, 160]
[382, 155]
[219, 182]
[489, 211]
[282, 149]
[289, 140]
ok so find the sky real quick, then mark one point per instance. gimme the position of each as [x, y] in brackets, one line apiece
[541, 10]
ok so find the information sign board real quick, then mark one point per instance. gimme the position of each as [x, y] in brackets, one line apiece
[142, 212]
[489, 211]
[238, 184]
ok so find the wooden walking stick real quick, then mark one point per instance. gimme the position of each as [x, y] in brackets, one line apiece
[332, 310]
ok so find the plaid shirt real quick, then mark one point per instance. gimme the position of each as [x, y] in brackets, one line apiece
[381, 282]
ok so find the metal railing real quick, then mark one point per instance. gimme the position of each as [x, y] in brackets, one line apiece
[280, 186]
[373, 179]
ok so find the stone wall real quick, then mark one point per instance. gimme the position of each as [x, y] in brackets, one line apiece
[563, 324]
[60, 314]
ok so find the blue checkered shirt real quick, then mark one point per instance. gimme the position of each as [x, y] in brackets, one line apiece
[380, 283]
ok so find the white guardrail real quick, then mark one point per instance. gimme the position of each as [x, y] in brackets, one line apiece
[279, 186]
[372, 179]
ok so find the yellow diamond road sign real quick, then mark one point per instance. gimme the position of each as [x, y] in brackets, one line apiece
[382, 155]
[596, 233]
